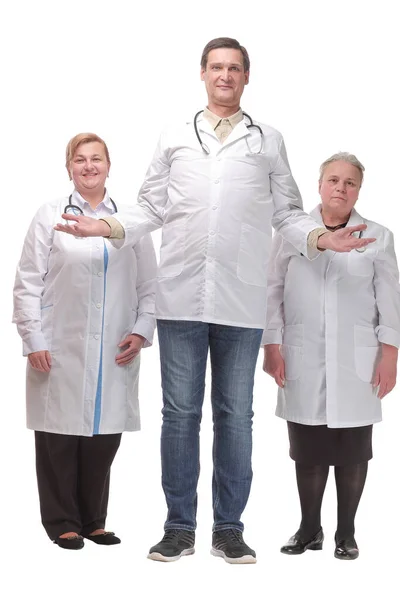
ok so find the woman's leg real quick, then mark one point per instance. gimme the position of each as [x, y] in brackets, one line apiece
[350, 482]
[311, 482]
[57, 474]
[96, 455]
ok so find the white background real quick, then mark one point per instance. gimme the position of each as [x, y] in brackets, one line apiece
[326, 75]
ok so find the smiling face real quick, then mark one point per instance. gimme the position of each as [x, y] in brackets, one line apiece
[225, 78]
[89, 168]
[339, 188]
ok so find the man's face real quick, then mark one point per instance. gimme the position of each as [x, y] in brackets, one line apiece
[225, 77]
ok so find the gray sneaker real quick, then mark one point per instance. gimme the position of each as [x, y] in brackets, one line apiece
[229, 545]
[175, 543]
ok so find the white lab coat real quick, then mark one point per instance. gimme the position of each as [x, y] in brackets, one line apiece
[216, 213]
[78, 298]
[331, 315]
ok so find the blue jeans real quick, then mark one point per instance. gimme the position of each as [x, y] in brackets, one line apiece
[184, 348]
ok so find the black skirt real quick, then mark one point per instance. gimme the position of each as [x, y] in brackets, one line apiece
[321, 445]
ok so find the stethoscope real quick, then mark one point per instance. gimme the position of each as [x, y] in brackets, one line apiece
[76, 210]
[206, 149]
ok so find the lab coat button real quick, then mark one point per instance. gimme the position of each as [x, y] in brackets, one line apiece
[96, 336]
[100, 273]
[215, 207]
[212, 232]
[216, 181]
[98, 305]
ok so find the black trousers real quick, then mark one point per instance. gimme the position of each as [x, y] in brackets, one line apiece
[73, 474]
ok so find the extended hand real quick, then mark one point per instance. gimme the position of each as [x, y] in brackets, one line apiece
[386, 371]
[40, 361]
[84, 226]
[274, 364]
[342, 240]
[132, 345]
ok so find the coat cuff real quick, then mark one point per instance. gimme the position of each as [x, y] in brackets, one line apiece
[145, 326]
[117, 231]
[271, 336]
[34, 343]
[387, 335]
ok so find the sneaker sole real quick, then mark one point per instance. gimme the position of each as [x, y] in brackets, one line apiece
[162, 558]
[247, 559]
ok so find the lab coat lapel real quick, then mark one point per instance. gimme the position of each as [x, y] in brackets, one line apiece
[238, 132]
[205, 127]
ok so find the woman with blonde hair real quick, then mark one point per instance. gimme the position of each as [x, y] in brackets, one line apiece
[84, 310]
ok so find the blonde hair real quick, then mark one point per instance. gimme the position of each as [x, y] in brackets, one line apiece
[346, 157]
[78, 140]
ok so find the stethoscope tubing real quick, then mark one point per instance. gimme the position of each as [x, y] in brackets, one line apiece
[77, 209]
[204, 146]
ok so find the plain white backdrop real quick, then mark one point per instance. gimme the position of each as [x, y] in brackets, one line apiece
[326, 75]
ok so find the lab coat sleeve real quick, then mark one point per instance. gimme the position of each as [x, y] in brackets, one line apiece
[387, 293]
[289, 219]
[279, 260]
[145, 286]
[29, 281]
[147, 214]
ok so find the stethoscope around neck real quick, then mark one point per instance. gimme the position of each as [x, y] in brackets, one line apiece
[77, 211]
[249, 125]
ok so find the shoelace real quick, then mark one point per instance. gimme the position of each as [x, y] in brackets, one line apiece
[171, 535]
[233, 535]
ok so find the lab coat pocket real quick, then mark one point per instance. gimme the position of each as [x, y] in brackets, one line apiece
[361, 263]
[292, 351]
[366, 351]
[253, 256]
[172, 252]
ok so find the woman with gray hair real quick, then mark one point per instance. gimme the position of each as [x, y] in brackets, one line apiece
[331, 343]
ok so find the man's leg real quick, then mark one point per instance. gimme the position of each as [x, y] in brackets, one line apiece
[234, 352]
[183, 355]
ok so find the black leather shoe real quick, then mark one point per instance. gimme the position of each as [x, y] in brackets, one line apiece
[296, 546]
[346, 549]
[108, 538]
[70, 543]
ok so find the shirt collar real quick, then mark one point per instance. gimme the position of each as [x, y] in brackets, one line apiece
[215, 120]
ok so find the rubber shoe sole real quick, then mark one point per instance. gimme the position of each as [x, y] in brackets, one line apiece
[162, 558]
[247, 559]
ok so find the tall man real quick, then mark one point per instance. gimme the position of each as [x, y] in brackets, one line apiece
[215, 185]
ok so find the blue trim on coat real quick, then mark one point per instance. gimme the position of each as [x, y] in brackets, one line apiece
[97, 407]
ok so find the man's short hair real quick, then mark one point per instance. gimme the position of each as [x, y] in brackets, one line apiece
[225, 42]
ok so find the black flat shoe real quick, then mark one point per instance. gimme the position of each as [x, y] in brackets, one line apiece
[346, 549]
[108, 538]
[296, 546]
[70, 543]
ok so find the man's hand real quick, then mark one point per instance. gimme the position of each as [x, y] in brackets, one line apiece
[131, 345]
[84, 226]
[40, 361]
[274, 364]
[386, 370]
[342, 240]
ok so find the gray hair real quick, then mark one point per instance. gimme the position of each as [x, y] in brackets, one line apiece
[346, 157]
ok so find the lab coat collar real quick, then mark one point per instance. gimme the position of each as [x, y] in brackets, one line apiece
[78, 200]
[355, 217]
